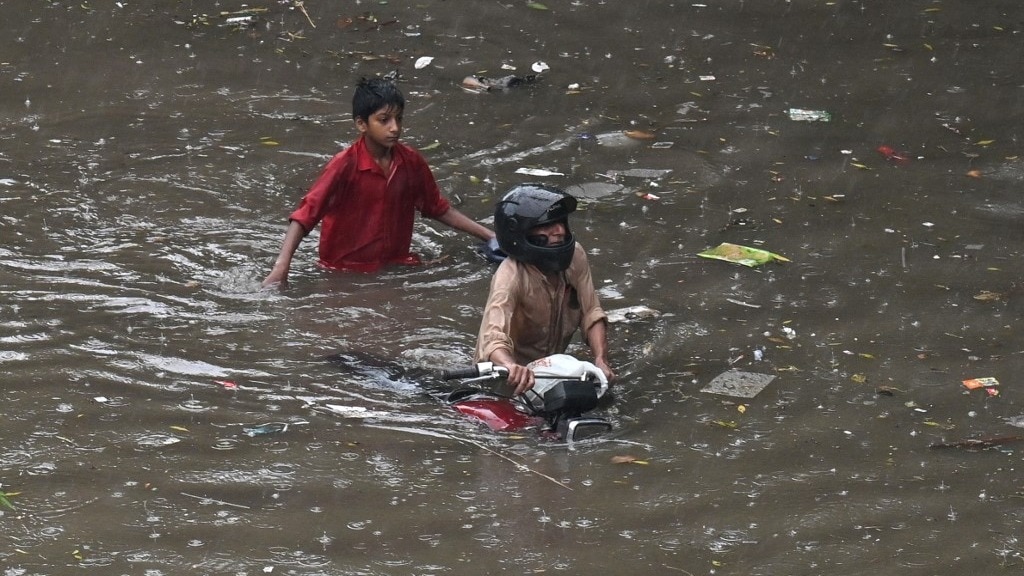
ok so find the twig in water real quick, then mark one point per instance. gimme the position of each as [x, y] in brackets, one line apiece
[301, 5]
[221, 502]
[979, 442]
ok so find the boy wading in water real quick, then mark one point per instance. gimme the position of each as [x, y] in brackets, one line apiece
[367, 196]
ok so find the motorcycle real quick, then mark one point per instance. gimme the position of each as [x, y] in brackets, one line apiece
[566, 389]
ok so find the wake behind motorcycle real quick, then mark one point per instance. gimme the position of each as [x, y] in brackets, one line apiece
[566, 389]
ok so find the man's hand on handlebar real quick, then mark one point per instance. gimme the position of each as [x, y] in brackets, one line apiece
[520, 377]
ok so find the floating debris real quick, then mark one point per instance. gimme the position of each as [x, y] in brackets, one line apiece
[642, 173]
[978, 443]
[538, 172]
[265, 429]
[738, 384]
[484, 84]
[631, 314]
[743, 255]
[987, 383]
[802, 115]
[593, 190]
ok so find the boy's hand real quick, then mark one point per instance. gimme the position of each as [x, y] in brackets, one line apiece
[276, 278]
[491, 251]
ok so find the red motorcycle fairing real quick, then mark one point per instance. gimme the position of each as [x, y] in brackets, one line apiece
[498, 414]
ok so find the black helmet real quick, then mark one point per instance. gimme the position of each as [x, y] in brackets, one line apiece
[529, 205]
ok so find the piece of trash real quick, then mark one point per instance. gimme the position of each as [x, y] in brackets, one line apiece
[241, 21]
[641, 173]
[975, 383]
[742, 303]
[707, 78]
[540, 67]
[988, 296]
[639, 134]
[594, 190]
[227, 384]
[648, 196]
[355, 411]
[893, 155]
[662, 145]
[758, 354]
[265, 429]
[485, 84]
[423, 62]
[738, 384]
[101, 399]
[627, 459]
[744, 255]
[1017, 421]
[802, 115]
[538, 172]
[617, 138]
[573, 87]
[979, 443]
[631, 314]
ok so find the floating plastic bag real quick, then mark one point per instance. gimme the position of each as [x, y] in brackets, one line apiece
[741, 255]
[552, 369]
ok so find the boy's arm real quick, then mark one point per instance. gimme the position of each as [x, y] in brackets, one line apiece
[292, 238]
[460, 221]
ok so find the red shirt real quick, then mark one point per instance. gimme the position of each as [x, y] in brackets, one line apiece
[366, 215]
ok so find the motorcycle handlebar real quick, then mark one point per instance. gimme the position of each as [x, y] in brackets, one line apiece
[489, 370]
[460, 373]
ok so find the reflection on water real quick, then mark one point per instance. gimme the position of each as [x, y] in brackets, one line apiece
[165, 416]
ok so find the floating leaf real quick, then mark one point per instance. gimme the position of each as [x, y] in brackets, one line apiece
[430, 146]
[640, 134]
[536, 6]
[985, 142]
[859, 378]
[179, 428]
[974, 173]
[987, 296]
[741, 409]
[861, 166]
[628, 459]
[4, 501]
[726, 424]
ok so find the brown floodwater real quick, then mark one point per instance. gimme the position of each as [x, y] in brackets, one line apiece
[164, 415]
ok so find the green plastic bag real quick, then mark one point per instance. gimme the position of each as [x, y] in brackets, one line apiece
[744, 255]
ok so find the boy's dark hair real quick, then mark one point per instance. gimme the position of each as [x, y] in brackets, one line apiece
[373, 94]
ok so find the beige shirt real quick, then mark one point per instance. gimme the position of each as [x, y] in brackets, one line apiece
[533, 315]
